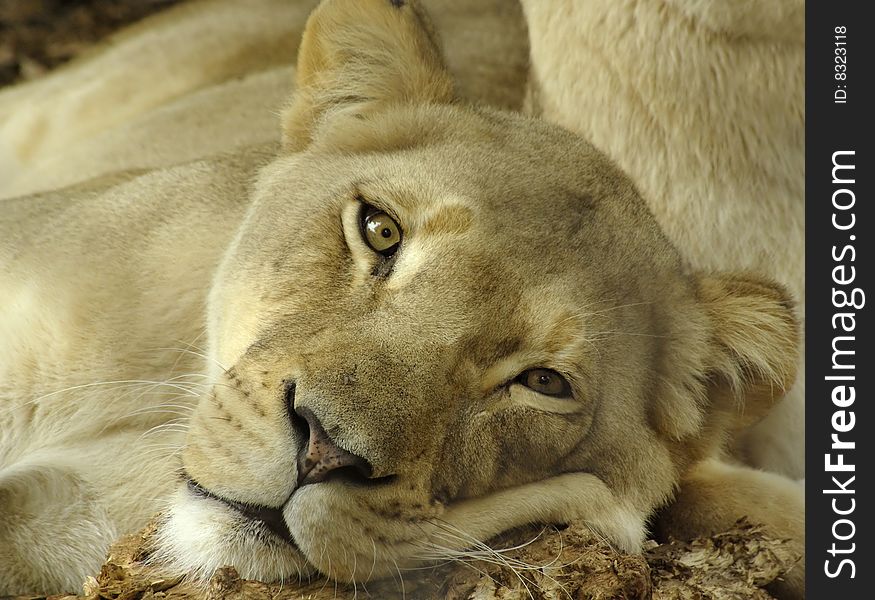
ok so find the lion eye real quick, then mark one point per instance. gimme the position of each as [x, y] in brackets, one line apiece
[546, 381]
[382, 234]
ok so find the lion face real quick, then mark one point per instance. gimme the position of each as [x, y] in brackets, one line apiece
[438, 322]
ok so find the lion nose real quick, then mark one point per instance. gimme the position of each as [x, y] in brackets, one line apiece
[321, 456]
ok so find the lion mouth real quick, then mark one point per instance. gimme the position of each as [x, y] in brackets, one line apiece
[269, 518]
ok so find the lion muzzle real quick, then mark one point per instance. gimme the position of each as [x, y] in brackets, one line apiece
[320, 456]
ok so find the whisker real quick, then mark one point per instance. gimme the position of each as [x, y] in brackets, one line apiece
[161, 408]
[401, 579]
[601, 333]
[95, 384]
[374, 565]
[486, 553]
[619, 306]
[172, 425]
[489, 554]
[202, 355]
[190, 344]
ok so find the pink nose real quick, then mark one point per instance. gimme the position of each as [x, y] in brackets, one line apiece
[322, 456]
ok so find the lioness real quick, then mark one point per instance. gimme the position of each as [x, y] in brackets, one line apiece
[415, 324]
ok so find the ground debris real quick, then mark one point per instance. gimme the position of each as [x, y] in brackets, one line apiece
[734, 565]
[548, 563]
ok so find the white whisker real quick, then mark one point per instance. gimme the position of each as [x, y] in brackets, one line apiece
[202, 355]
[478, 551]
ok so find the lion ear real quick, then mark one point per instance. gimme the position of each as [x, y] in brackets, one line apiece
[756, 336]
[735, 361]
[360, 56]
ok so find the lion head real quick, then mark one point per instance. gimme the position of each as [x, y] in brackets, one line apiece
[440, 321]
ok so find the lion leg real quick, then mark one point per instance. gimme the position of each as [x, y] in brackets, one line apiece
[714, 495]
[54, 530]
[560, 499]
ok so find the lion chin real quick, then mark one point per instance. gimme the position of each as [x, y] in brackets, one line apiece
[320, 530]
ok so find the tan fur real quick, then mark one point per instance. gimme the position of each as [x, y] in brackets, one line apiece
[702, 103]
[159, 317]
[149, 66]
[207, 77]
